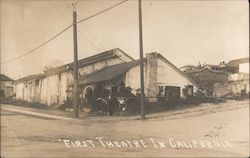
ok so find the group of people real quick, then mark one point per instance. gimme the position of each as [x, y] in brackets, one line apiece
[101, 98]
[107, 100]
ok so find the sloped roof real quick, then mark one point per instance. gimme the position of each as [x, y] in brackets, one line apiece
[89, 60]
[236, 62]
[187, 66]
[108, 73]
[111, 72]
[212, 65]
[95, 58]
[30, 77]
[5, 78]
[82, 62]
[56, 70]
[203, 69]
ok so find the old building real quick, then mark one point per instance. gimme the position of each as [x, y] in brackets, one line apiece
[27, 88]
[108, 69]
[206, 78]
[162, 78]
[235, 66]
[188, 68]
[238, 79]
[6, 85]
[56, 84]
[223, 73]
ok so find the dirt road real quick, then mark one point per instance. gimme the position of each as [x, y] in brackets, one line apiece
[207, 130]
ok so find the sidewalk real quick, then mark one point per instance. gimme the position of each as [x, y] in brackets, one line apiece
[62, 115]
[184, 111]
[52, 114]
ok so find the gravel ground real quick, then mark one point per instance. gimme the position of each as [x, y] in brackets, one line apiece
[166, 134]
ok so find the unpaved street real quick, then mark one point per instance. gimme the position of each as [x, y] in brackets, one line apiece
[166, 134]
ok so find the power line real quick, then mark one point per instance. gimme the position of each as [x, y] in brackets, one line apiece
[102, 11]
[107, 9]
[97, 41]
[78, 28]
[44, 43]
[34, 49]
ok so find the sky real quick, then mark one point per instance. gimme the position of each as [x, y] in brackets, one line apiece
[184, 31]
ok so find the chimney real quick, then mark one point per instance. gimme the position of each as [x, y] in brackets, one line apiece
[151, 87]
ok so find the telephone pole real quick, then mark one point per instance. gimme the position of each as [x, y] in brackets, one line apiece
[141, 61]
[76, 107]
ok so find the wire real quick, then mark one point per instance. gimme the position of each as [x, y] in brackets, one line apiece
[34, 49]
[44, 43]
[107, 9]
[86, 38]
[97, 41]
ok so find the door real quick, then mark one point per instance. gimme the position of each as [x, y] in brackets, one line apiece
[172, 92]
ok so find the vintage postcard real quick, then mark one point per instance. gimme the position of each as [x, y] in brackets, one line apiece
[124, 78]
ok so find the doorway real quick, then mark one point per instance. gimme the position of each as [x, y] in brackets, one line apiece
[89, 96]
[172, 92]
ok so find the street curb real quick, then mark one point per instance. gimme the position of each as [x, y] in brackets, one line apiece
[51, 116]
[37, 114]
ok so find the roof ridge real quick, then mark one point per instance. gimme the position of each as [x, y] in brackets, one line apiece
[109, 53]
[125, 63]
[124, 53]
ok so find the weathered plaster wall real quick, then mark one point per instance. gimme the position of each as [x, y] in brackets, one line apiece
[168, 76]
[52, 89]
[132, 78]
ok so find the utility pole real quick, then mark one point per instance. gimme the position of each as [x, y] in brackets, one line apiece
[141, 61]
[76, 107]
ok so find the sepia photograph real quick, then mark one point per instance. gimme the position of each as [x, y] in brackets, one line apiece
[124, 78]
